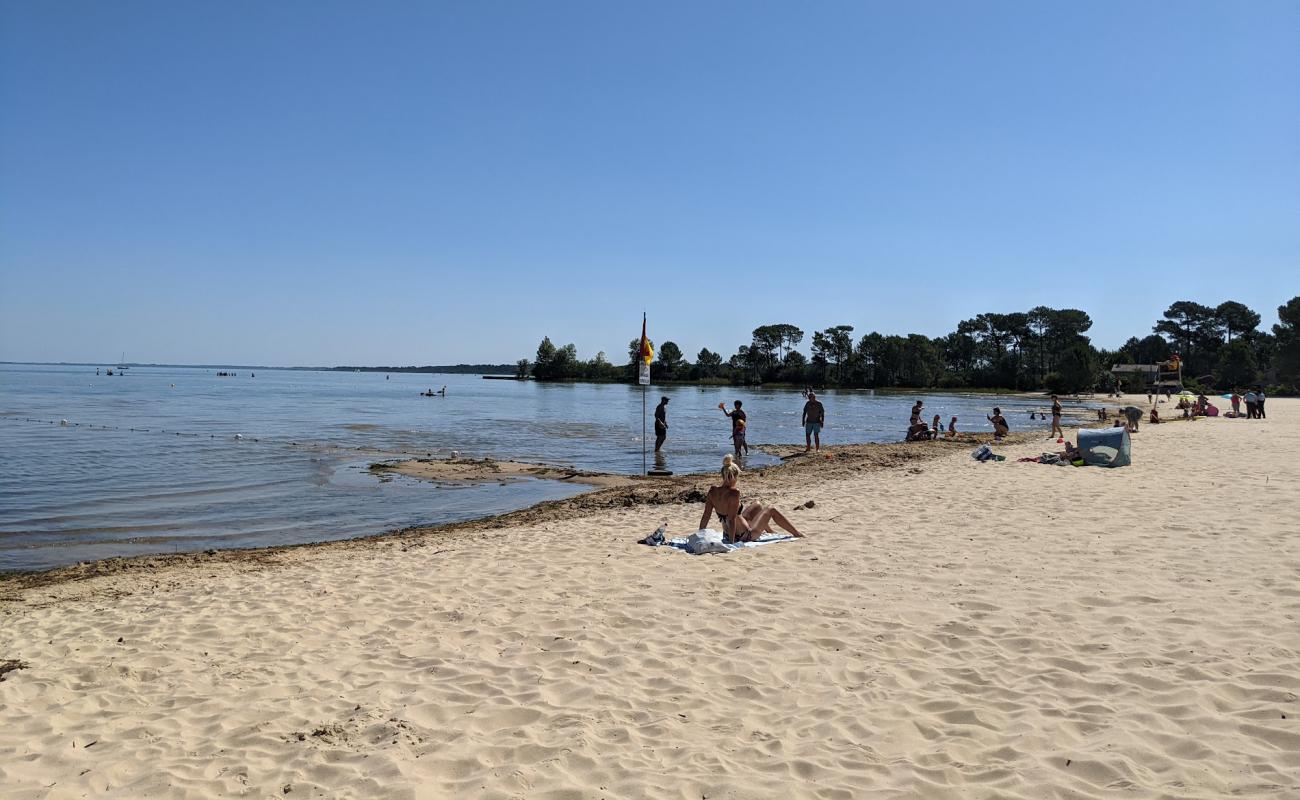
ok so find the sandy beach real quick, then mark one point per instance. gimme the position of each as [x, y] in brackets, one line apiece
[948, 629]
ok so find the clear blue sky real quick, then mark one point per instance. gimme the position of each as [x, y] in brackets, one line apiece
[429, 182]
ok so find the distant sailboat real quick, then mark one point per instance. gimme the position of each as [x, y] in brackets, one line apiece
[121, 364]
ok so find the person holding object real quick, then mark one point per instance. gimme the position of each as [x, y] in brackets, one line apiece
[814, 416]
[661, 423]
[738, 424]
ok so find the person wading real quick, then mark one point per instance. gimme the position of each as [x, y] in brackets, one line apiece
[739, 423]
[814, 417]
[661, 423]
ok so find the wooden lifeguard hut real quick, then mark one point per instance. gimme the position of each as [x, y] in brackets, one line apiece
[1156, 377]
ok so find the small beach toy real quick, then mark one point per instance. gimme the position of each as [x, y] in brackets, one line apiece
[1060, 441]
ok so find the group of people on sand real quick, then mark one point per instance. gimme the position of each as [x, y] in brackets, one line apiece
[1254, 400]
[919, 431]
[814, 417]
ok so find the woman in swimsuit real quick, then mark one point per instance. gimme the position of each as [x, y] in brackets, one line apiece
[1000, 427]
[740, 523]
[1056, 419]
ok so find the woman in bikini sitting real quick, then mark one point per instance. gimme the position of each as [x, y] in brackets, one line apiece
[740, 523]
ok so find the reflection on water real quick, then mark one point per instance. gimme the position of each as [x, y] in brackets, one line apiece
[180, 459]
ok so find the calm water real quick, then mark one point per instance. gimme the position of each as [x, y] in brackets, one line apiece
[182, 480]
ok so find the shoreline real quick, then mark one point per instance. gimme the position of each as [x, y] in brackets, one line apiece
[609, 491]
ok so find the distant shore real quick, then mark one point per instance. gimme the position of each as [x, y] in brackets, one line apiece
[444, 369]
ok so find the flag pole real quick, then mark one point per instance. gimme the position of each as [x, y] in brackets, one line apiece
[643, 378]
[643, 389]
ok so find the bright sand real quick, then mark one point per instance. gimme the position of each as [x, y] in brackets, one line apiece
[953, 630]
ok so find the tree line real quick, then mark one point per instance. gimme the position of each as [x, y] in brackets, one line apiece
[1043, 348]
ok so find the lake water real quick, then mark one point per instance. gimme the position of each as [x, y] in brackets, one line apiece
[149, 462]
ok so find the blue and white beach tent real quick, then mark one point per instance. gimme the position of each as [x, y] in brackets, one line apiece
[1105, 447]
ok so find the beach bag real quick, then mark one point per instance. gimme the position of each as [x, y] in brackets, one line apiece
[982, 453]
[705, 541]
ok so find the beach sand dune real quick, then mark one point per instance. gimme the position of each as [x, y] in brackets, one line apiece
[950, 630]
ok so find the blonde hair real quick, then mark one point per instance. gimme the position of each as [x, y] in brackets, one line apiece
[730, 470]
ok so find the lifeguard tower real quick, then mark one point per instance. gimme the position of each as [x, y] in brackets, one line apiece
[1157, 377]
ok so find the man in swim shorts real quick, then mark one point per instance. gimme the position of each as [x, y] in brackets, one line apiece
[814, 416]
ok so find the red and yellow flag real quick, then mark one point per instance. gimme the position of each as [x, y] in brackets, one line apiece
[647, 352]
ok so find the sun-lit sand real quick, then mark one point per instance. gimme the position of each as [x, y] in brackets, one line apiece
[949, 630]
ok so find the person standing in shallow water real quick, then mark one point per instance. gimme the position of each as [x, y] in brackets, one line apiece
[739, 421]
[814, 417]
[1056, 419]
[661, 423]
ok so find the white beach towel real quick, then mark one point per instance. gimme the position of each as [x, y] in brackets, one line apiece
[710, 541]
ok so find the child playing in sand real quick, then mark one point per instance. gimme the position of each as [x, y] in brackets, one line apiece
[952, 428]
[918, 432]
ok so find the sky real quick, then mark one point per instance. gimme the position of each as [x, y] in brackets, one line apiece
[321, 183]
